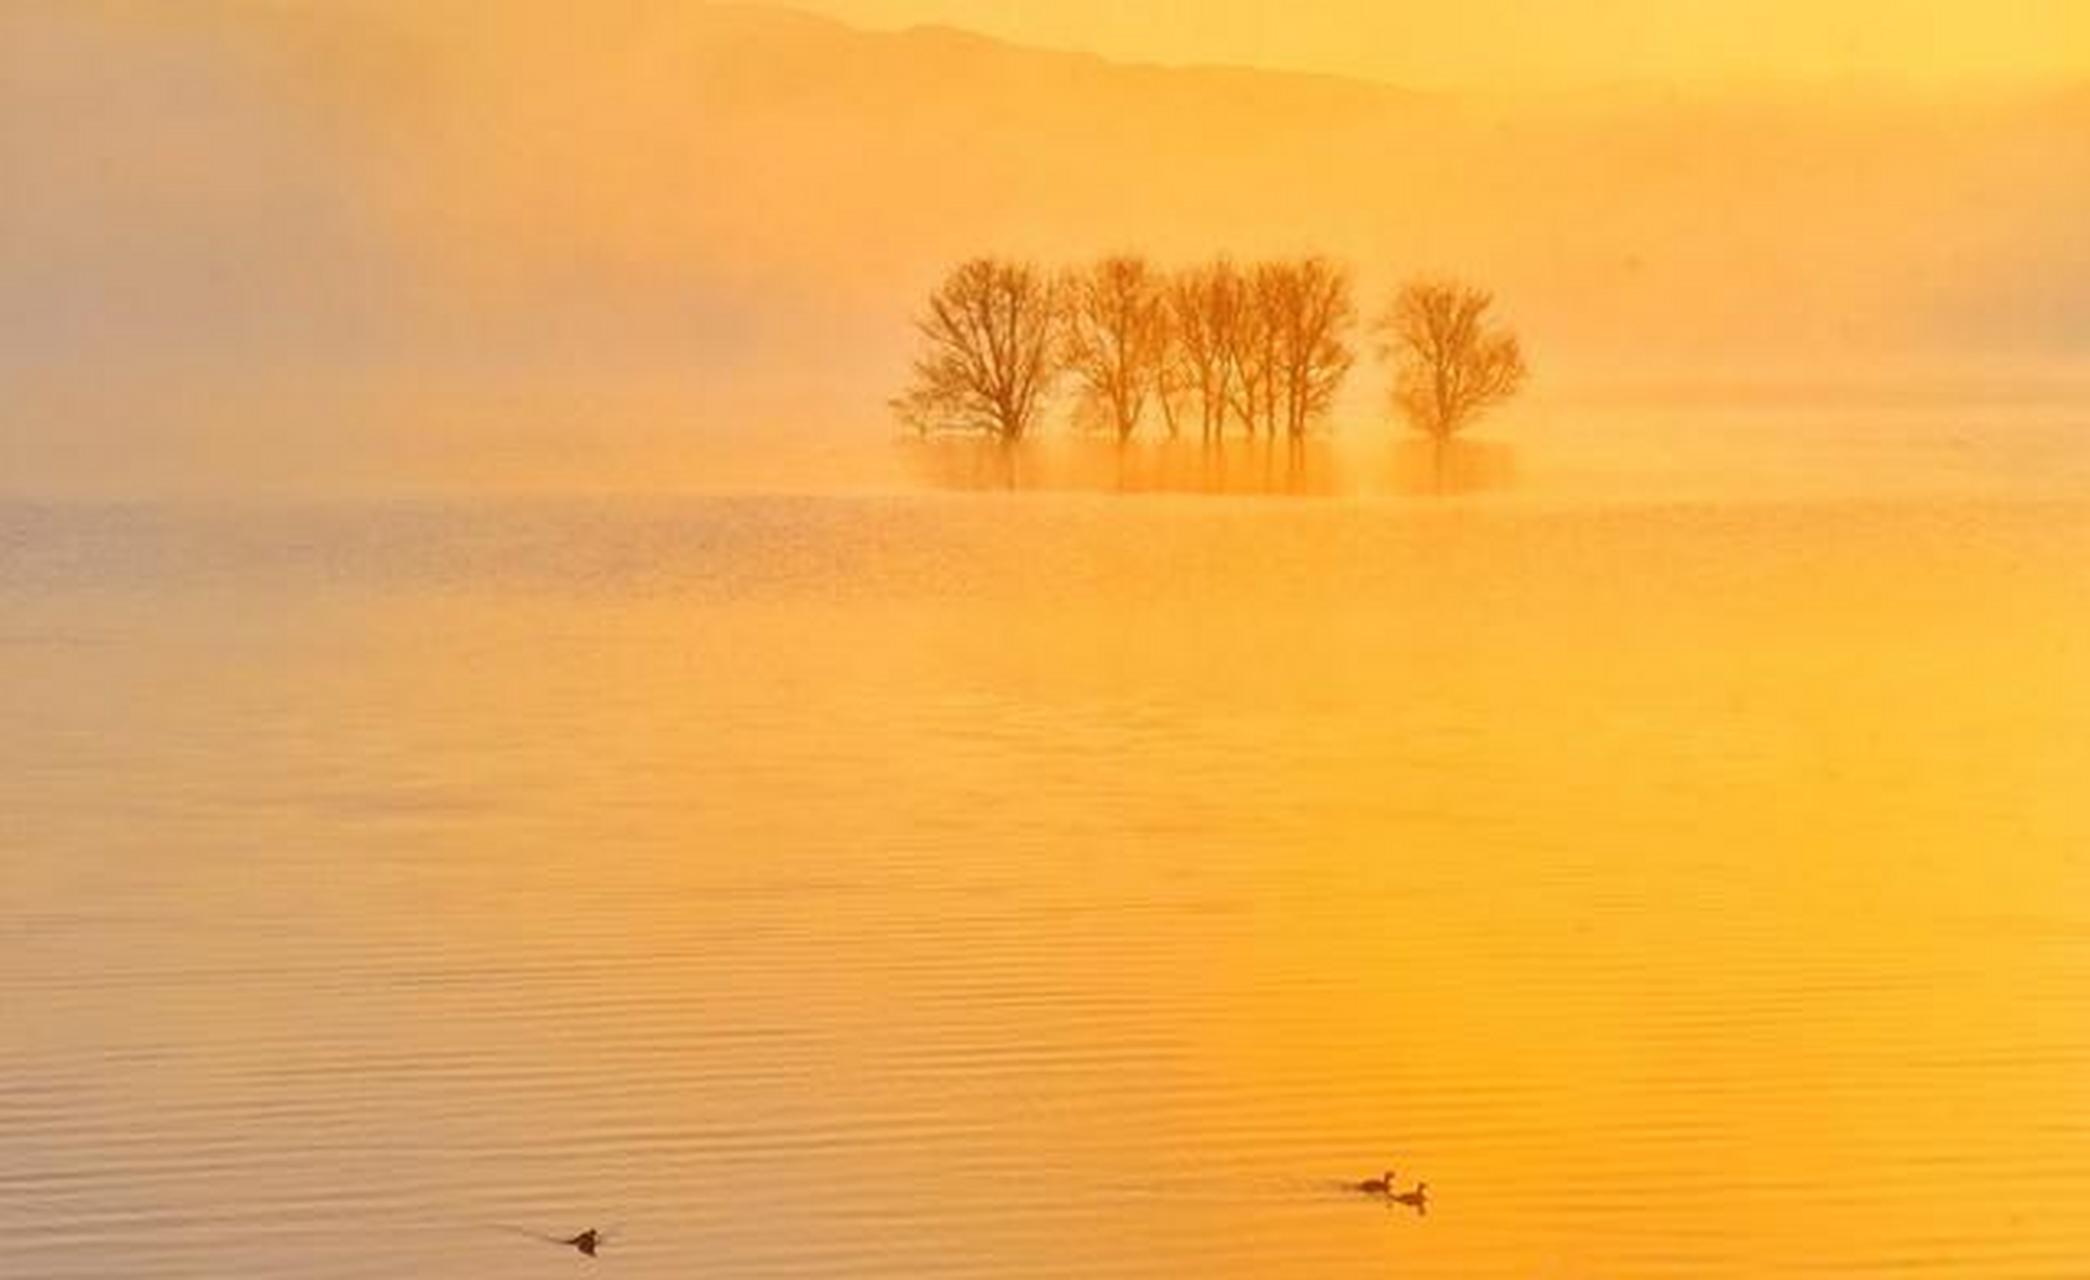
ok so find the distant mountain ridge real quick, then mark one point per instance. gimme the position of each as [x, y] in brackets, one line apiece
[649, 184]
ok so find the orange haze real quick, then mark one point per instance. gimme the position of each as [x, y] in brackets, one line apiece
[254, 243]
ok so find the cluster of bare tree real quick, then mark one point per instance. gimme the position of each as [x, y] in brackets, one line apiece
[1262, 348]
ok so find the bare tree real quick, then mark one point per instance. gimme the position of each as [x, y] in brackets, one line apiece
[1205, 305]
[1451, 362]
[1308, 313]
[987, 358]
[1173, 387]
[1252, 352]
[1116, 340]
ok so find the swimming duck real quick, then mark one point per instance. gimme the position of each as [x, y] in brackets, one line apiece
[586, 1241]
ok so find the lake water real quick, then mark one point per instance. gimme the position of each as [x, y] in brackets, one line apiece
[1045, 885]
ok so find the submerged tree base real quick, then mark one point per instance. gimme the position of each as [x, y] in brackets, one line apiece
[1427, 465]
[1314, 467]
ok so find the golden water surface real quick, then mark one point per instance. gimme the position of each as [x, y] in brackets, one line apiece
[1045, 885]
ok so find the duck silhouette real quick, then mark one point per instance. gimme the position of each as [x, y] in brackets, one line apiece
[1418, 1199]
[1379, 1186]
[586, 1243]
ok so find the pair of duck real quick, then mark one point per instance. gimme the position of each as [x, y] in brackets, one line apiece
[1418, 1199]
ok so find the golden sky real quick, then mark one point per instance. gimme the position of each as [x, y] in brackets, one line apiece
[1512, 43]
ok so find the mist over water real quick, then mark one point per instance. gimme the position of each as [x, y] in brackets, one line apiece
[506, 735]
[406, 247]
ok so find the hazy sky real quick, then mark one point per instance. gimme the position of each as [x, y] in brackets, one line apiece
[1521, 42]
